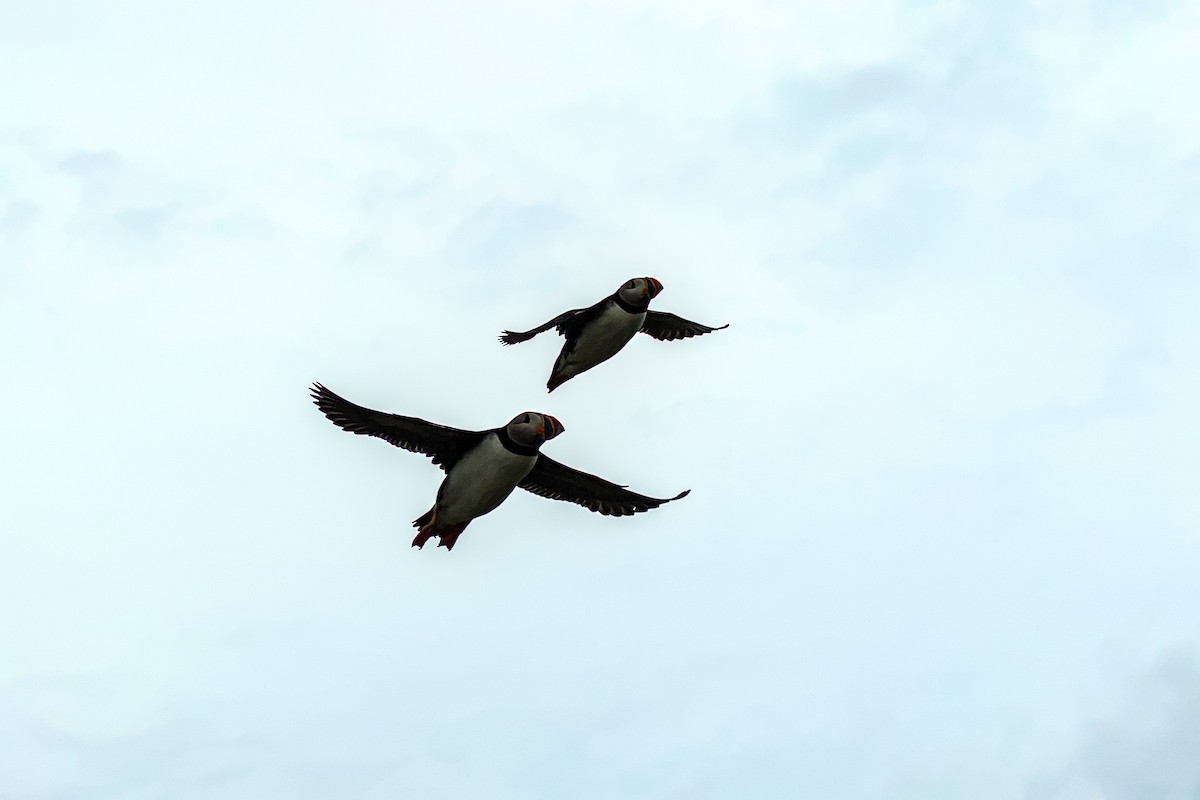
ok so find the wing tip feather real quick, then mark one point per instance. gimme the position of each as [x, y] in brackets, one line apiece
[320, 394]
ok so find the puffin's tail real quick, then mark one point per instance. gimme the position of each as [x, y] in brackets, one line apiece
[427, 527]
[557, 379]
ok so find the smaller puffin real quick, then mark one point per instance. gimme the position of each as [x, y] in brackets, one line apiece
[597, 333]
[483, 467]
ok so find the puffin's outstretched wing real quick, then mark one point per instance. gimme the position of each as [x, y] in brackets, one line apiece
[569, 324]
[548, 478]
[668, 327]
[511, 337]
[443, 444]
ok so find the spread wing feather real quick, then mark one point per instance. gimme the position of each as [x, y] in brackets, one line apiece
[568, 323]
[669, 327]
[445, 445]
[549, 478]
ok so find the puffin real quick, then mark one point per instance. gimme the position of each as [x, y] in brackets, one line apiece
[483, 467]
[598, 332]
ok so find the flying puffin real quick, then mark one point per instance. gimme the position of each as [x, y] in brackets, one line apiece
[483, 467]
[598, 333]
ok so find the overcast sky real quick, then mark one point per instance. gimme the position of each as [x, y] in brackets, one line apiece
[944, 533]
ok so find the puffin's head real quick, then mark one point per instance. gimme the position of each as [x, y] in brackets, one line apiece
[531, 428]
[638, 291]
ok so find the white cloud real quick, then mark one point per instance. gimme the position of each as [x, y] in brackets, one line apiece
[940, 459]
[1146, 749]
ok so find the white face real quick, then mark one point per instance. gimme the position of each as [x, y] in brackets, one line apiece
[531, 428]
[637, 291]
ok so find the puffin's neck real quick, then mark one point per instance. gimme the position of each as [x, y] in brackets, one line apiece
[630, 307]
[511, 445]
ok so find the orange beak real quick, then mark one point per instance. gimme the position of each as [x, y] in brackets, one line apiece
[653, 287]
[552, 427]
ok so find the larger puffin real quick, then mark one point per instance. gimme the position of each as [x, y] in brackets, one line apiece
[597, 333]
[483, 467]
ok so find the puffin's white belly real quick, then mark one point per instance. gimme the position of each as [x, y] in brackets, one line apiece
[480, 481]
[603, 339]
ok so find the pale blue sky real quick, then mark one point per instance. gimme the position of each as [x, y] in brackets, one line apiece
[944, 534]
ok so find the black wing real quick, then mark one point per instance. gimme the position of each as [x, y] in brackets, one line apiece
[569, 324]
[669, 327]
[443, 444]
[548, 478]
